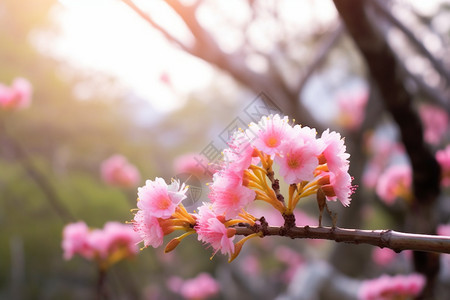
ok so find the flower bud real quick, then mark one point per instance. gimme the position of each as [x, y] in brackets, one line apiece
[172, 245]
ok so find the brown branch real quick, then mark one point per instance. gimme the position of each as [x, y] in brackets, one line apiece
[397, 241]
[380, 7]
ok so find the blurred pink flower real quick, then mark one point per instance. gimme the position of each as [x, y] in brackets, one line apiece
[75, 240]
[269, 134]
[383, 256]
[212, 231]
[114, 242]
[165, 78]
[395, 183]
[117, 171]
[351, 108]
[193, 164]
[291, 258]
[201, 287]
[435, 121]
[17, 96]
[392, 287]
[250, 265]
[443, 158]
[174, 283]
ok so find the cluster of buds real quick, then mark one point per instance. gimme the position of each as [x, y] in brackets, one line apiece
[116, 241]
[309, 164]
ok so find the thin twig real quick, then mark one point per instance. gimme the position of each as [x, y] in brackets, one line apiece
[155, 25]
[397, 241]
[325, 48]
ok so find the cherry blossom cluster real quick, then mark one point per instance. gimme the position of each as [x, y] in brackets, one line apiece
[16, 96]
[117, 171]
[116, 241]
[392, 287]
[308, 164]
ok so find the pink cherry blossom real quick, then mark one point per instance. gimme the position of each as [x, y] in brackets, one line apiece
[435, 121]
[75, 240]
[228, 196]
[17, 96]
[298, 157]
[117, 171]
[212, 231]
[443, 158]
[240, 153]
[340, 187]
[383, 256]
[351, 108]
[159, 199]
[392, 287]
[395, 182]
[269, 134]
[334, 151]
[148, 228]
[201, 287]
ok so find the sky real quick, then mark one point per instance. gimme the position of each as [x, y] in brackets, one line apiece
[107, 36]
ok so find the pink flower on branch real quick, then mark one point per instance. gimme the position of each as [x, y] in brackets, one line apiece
[308, 164]
[212, 230]
[269, 134]
[159, 199]
[298, 157]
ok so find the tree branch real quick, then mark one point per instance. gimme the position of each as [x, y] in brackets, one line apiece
[147, 18]
[397, 241]
[206, 48]
[380, 7]
[322, 53]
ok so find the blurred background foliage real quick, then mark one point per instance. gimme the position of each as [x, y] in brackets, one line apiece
[63, 139]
